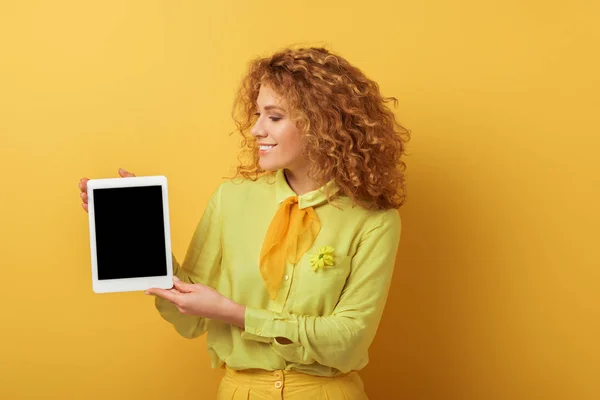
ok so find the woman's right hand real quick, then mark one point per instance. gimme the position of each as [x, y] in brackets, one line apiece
[83, 187]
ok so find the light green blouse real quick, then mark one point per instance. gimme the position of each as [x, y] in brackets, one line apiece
[330, 314]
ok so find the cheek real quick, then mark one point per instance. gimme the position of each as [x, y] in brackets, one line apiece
[291, 141]
[293, 146]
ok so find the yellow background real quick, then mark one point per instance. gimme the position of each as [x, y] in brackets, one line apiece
[495, 295]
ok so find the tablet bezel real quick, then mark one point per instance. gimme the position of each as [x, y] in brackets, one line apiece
[129, 284]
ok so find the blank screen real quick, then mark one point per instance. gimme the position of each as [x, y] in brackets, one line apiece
[130, 232]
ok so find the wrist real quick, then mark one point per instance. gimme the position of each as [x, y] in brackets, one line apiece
[233, 313]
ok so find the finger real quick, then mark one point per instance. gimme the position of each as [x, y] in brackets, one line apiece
[175, 290]
[165, 294]
[125, 174]
[183, 287]
[85, 206]
[84, 197]
[83, 184]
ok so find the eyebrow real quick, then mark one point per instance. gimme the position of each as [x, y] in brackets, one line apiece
[271, 107]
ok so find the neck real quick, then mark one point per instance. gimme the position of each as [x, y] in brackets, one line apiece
[300, 182]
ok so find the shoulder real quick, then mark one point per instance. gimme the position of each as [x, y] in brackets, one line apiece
[240, 190]
[358, 224]
[382, 220]
[381, 232]
[243, 184]
[376, 225]
[368, 218]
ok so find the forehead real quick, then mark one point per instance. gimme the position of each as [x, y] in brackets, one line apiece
[269, 97]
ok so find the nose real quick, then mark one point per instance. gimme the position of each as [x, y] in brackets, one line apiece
[258, 130]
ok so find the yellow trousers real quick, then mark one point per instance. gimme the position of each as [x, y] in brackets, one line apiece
[258, 384]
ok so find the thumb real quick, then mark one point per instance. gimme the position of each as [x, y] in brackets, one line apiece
[125, 174]
[182, 286]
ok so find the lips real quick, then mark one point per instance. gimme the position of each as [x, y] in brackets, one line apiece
[265, 148]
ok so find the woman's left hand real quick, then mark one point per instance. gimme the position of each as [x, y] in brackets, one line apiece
[201, 300]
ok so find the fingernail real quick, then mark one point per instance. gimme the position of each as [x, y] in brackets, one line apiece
[81, 195]
[176, 279]
[146, 292]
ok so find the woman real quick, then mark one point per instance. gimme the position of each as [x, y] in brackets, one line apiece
[289, 268]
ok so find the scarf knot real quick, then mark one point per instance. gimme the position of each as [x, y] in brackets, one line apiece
[290, 234]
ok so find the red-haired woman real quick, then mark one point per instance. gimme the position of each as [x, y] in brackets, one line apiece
[289, 267]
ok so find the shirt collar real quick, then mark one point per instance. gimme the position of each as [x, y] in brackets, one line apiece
[310, 199]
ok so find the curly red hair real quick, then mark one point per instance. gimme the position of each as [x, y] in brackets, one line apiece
[351, 136]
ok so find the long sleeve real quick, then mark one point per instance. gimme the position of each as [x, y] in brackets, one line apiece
[202, 264]
[340, 340]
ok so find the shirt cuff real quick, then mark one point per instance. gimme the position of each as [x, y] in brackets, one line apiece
[261, 324]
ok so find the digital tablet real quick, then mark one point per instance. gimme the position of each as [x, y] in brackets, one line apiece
[130, 239]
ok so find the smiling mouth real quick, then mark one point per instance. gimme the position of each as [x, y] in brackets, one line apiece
[266, 147]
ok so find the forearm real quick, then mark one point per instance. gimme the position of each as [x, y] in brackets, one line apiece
[235, 314]
[188, 326]
[338, 341]
[231, 313]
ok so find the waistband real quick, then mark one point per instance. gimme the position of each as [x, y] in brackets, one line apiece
[260, 377]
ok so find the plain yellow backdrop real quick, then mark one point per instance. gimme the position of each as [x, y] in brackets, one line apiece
[496, 291]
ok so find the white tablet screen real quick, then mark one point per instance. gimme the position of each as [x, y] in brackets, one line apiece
[130, 232]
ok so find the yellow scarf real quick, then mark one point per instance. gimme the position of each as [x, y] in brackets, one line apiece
[291, 233]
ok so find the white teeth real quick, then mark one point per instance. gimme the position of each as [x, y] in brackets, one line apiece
[266, 147]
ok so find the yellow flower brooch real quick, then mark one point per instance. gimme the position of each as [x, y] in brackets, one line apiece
[323, 258]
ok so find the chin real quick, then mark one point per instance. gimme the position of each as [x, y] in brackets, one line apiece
[269, 166]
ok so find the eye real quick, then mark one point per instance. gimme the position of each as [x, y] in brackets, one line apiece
[275, 119]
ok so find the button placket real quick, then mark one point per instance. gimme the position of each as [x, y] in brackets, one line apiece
[278, 304]
[279, 382]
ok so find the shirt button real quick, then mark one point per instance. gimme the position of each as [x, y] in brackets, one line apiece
[278, 385]
[286, 277]
[278, 375]
[259, 333]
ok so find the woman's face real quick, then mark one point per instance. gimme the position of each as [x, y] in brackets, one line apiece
[280, 141]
